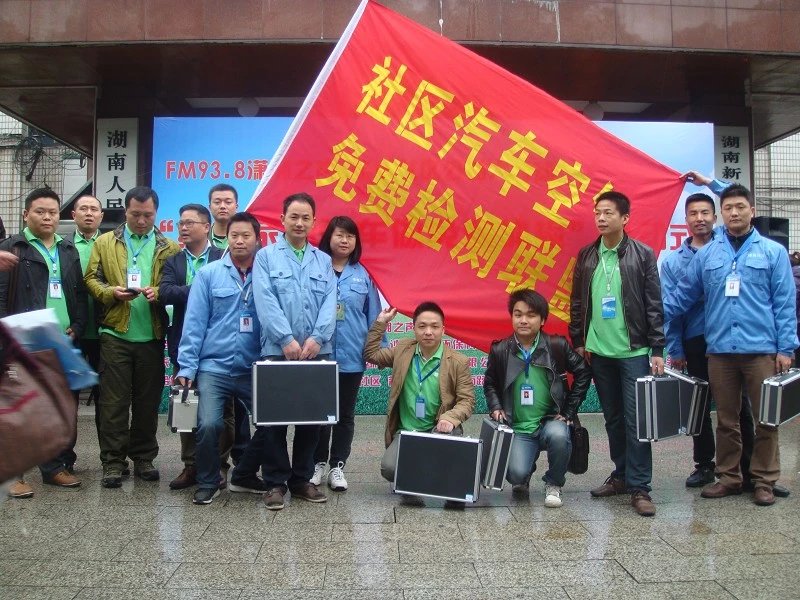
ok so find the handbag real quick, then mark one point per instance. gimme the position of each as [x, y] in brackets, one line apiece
[38, 413]
[579, 459]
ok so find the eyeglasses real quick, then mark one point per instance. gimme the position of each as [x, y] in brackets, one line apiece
[190, 223]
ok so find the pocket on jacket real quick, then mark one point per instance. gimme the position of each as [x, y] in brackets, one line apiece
[713, 271]
[220, 297]
[318, 283]
[281, 280]
[756, 270]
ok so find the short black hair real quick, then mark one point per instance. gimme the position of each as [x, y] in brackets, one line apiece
[349, 226]
[620, 200]
[737, 190]
[534, 300]
[428, 306]
[224, 187]
[700, 197]
[300, 197]
[141, 193]
[245, 217]
[199, 209]
[79, 198]
[42, 192]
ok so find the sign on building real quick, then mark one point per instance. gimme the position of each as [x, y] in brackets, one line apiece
[116, 160]
[732, 155]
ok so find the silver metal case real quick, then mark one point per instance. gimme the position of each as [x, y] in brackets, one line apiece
[697, 391]
[295, 392]
[182, 410]
[780, 398]
[435, 465]
[497, 441]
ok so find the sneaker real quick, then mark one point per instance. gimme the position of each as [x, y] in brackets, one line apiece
[336, 480]
[309, 492]
[273, 499]
[112, 477]
[552, 496]
[20, 489]
[319, 473]
[611, 487]
[145, 471]
[62, 479]
[701, 476]
[205, 495]
[187, 478]
[248, 485]
[520, 490]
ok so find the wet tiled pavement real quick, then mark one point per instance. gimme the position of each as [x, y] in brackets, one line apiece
[144, 542]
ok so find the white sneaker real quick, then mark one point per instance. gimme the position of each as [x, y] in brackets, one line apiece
[319, 473]
[552, 496]
[336, 480]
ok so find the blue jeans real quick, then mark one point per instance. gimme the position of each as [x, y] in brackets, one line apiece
[553, 436]
[215, 391]
[615, 379]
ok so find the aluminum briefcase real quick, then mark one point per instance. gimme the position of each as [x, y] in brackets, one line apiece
[780, 398]
[182, 410]
[697, 391]
[295, 392]
[497, 439]
[659, 413]
[438, 466]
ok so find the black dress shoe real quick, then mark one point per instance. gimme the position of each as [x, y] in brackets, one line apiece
[700, 476]
[780, 491]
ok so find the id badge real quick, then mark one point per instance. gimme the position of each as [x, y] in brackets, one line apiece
[732, 282]
[340, 311]
[55, 288]
[245, 322]
[419, 407]
[608, 307]
[134, 278]
[526, 395]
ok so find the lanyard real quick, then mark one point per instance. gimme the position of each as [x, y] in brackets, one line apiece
[53, 258]
[245, 289]
[420, 378]
[129, 243]
[741, 251]
[527, 357]
[190, 259]
[609, 278]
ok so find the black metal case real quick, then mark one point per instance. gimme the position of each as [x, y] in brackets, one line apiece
[182, 410]
[780, 398]
[696, 390]
[659, 413]
[295, 392]
[438, 466]
[497, 440]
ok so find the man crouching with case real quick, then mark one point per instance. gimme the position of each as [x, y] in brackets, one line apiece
[526, 387]
[431, 383]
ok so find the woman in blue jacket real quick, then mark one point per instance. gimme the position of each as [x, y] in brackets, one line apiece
[357, 306]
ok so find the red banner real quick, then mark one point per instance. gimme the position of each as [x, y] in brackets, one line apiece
[466, 181]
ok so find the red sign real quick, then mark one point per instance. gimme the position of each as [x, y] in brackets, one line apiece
[466, 181]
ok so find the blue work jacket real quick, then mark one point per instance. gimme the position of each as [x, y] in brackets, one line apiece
[691, 324]
[361, 305]
[294, 300]
[211, 340]
[761, 319]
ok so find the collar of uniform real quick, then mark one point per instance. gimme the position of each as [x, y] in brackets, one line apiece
[206, 249]
[79, 239]
[30, 237]
[136, 236]
[438, 354]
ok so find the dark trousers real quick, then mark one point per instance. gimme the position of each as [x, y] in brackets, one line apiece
[615, 379]
[704, 446]
[131, 382]
[91, 352]
[241, 430]
[340, 436]
[278, 470]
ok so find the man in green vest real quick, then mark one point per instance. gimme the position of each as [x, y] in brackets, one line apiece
[123, 276]
[223, 202]
[88, 214]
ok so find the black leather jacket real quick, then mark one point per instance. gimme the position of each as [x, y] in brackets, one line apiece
[33, 276]
[641, 295]
[504, 366]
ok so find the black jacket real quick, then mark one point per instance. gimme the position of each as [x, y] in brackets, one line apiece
[641, 295]
[33, 277]
[504, 366]
[173, 290]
